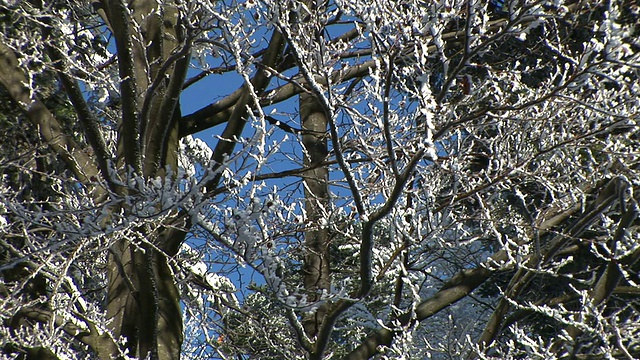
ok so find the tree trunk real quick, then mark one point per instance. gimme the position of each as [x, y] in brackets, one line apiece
[316, 191]
[143, 302]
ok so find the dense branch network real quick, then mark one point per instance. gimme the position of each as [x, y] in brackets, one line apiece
[462, 163]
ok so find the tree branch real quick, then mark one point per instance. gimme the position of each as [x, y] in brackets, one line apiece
[156, 144]
[455, 289]
[129, 146]
[463, 283]
[104, 346]
[13, 78]
[87, 118]
[612, 275]
[524, 275]
[237, 120]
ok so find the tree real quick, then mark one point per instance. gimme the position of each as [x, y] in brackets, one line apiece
[457, 179]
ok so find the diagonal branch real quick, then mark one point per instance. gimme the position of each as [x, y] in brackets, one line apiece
[218, 112]
[612, 275]
[13, 78]
[466, 281]
[237, 121]
[87, 118]
[523, 276]
[455, 289]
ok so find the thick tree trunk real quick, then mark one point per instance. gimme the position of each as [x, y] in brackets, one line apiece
[143, 302]
[316, 191]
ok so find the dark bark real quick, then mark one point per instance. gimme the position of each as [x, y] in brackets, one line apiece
[457, 288]
[606, 198]
[131, 82]
[612, 276]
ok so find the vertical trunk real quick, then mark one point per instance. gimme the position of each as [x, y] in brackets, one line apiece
[316, 190]
[168, 296]
[143, 302]
[121, 305]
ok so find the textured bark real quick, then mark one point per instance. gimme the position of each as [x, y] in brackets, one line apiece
[143, 300]
[121, 305]
[84, 168]
[131, 81]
